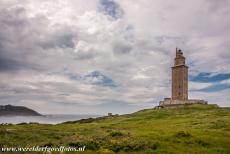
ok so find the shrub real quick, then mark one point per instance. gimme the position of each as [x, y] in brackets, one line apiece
[3, 131]
[133, 146]
[183, 134]
[57, 137]
[116, 134]
[218, 124]
[137, 146]
[33, 123]
[153, 146]
[49, 144]
[202, 143]
[116, 147]
[91, 145]
[75, 144]
[22, 123]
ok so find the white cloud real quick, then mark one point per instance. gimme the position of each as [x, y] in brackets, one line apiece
[42, 39]
[198, 86]
[225, 82]
[219, 98]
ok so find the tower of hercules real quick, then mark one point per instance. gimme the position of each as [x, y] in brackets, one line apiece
[179, 85]
[179, 77]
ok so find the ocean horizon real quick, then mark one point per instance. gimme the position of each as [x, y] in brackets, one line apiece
[45, 119]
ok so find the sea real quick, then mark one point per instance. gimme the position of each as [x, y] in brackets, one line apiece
[45, 119]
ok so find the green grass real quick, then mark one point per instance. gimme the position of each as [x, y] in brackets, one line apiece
[195, 129]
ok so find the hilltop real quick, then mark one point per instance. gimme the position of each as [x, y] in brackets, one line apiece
[192, 129]
[10, 110]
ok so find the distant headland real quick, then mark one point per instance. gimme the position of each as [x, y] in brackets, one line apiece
[10, 110]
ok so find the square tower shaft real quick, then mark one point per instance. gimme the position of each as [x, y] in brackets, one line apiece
[179, 77]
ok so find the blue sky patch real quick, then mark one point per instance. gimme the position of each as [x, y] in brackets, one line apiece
[207, 77]
[97, 78]
[94, 78]
[111, 8]
[215, 88]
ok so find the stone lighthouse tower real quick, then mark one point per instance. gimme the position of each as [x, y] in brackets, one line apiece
[179, 85]
[179, 77]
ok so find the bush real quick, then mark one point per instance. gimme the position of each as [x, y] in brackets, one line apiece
[57, 137]
[33, 123]
[183, 134]
[49, 144]
[133, 146]
[202, 143]
[137, 146]
[116, 134]
[218, 124]
[75, 144]
[91, 145]
[3, 131]
[153, 146]
[116, 147]
[22, 123]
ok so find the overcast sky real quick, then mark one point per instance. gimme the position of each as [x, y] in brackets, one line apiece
[99, 56]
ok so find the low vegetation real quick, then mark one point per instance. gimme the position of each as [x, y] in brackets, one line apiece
[195, 129]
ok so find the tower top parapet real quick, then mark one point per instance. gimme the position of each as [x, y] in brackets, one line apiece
[180, 59]
[179, 53]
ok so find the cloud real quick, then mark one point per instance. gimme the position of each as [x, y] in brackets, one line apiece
[226, 81]
[84, 50]
[121, 47]
[48, 47]
[198, 86]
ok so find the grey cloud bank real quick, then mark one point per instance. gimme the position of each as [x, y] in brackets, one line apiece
[45, 46]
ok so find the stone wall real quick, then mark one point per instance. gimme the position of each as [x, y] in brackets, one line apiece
[168, 102]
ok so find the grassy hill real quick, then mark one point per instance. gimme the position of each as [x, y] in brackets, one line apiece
[195, 129]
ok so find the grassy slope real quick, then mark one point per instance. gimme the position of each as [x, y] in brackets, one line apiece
[193, 129]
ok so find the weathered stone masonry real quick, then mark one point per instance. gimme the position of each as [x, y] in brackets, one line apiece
[179, 77]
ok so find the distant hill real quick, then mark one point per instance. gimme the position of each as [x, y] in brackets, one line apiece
[10, 110]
